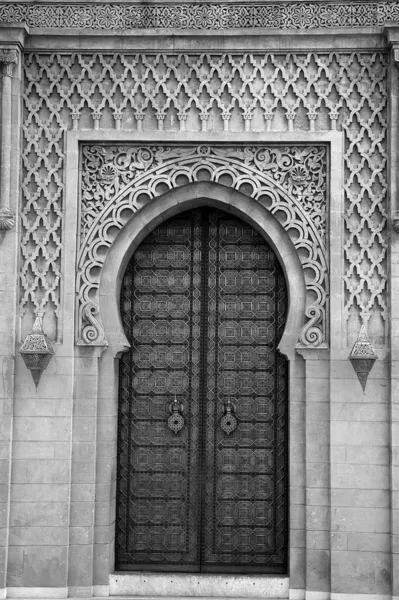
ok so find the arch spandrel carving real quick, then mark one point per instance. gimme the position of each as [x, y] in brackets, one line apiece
[289, 181]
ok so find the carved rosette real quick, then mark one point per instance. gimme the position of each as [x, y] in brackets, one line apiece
[118, 180]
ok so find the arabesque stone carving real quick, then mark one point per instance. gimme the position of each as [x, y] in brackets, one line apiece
[290, 181]
[132, 15]
[215, 93]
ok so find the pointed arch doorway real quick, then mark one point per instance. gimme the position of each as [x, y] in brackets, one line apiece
[202, 436]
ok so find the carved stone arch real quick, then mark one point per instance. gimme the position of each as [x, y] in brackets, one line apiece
[182, 199]
[289, 182]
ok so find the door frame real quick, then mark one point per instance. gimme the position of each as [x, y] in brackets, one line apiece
[129, 477]
[144, 221]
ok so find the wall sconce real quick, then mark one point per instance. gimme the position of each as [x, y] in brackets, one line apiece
[37, 350]
[363, 357]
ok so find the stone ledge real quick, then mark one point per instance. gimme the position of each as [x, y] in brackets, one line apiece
[131, 15]
[182, 585]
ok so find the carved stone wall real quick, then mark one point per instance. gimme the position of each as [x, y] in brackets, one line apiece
[215, 93]
[116, 181]
[277, 15]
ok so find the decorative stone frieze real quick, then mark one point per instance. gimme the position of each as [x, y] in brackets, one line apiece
[222, 16]
[215, 93]
[8, 60]
[290, 181]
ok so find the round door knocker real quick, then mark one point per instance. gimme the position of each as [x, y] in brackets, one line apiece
[175, 421]
[228, 422]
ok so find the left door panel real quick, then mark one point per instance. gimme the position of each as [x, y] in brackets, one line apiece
[158, 510]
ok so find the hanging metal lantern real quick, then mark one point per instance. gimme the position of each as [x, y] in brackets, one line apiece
[37, 350]
[363, 357]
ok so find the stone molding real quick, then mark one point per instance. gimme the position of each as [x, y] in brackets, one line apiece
[8, 60]
[220, 16]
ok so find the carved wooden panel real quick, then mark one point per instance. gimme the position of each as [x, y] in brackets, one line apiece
[204, 303]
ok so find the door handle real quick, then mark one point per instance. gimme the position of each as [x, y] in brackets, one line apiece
[176, 420]
[228, 422]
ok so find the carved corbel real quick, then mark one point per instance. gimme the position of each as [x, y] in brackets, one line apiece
[8, 60]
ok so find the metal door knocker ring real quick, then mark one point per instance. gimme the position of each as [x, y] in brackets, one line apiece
[175, 421]
[228, 422]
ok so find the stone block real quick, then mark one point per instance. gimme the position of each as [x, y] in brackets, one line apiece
[318, 496]
[367, 455]
[39, 514]
[83, 472]
[366, 520]
[84, 429]
[362, 476]
[102, 564]
[317, 454]
[80, 535]
[369, 542]
[37, 566]
[103, 512]
[84, 407]
[104, 491]
[85, 387]
[317, 570]
[38, 536]
[41, 471]
[339, 541]
[42, 429]
[317, 411]
[62, 450]
[33, 449]
[83, 492]
[318, 540]
[37, 492]
[297, 561]
[80, 565]
[297, 516]
[360, 498]
[360, 572]
[317, 475]
[35, 407]
[359, 411]
[103, 534]
[106, 429]
[82, 514]
[318, 518]
[359, 434]
[84, 451]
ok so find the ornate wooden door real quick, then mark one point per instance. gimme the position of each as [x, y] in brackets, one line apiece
[202, 441]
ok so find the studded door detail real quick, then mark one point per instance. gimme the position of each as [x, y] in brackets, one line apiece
[202, 441]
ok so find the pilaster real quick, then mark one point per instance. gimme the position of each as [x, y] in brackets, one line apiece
[317, 472]
[10, 90]
[392, 34]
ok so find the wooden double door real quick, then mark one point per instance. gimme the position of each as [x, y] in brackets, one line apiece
[202, 436]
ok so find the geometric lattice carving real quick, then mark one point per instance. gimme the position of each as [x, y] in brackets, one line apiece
[287, 15]
[118, 180]
[200, 92]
